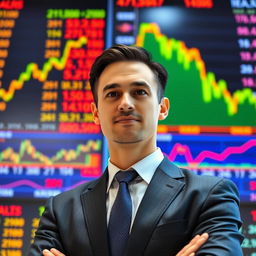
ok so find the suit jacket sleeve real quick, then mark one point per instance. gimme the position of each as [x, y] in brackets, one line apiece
[220, 217]
[47, 236]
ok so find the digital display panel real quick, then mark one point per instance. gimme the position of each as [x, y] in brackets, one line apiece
[202, 45]
[230, 157]
[48, 140]
[46, 52]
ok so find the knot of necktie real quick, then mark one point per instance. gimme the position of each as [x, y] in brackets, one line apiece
[126, 176]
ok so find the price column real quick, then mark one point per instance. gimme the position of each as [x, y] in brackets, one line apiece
[87, 36]
[7, 23]
[245, 18]
[248, 214]
[12, 232]
[19, 220]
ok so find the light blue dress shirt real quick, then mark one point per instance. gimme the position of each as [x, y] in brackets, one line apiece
[145, 168]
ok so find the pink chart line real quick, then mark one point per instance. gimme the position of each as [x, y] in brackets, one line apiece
[180, 149]
[35, 185]
[22, 183]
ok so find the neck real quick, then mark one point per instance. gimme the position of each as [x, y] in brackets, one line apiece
[125, 155]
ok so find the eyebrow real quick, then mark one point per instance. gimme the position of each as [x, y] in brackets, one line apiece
[135, 84]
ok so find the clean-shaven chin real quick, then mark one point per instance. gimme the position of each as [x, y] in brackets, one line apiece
[127, 142]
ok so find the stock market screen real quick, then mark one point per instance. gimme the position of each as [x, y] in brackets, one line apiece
[48, 140]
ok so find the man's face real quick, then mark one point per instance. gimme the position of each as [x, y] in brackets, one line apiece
[128, 109]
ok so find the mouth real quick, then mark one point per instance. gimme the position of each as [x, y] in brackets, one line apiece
[126, 119]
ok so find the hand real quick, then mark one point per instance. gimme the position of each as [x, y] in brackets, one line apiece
[52, 252]
[191, 248]
[188, 250]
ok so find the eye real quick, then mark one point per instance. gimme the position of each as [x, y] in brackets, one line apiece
[112, 94]
[140, 92]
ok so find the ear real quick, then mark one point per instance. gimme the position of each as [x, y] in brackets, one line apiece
[164, 108]
[95, 113]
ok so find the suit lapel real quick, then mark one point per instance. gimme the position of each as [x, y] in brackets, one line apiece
[94, 207]
[161, 191]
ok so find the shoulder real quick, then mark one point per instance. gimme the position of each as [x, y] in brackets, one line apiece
[201, 186]
[191, 177]
[195, 182]
[210, 185]
[207, 180]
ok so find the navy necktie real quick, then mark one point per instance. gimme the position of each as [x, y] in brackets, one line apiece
[121, 214]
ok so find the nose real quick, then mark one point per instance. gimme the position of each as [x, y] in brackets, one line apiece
[126, 103]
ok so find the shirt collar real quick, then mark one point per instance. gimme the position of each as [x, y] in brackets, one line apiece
[145, 167]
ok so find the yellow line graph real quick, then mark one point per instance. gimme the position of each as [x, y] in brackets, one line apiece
[33, 71]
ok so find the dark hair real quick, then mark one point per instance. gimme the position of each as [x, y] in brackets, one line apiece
[126, 53]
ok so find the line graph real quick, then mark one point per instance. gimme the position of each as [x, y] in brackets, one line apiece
[33, 71]
[34, 185]
[28, 154]
[189, 79]
[19, 183]
[179, 149]
[204, 151]
[36, 165]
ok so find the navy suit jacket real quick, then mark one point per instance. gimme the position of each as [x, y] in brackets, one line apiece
[176, 206]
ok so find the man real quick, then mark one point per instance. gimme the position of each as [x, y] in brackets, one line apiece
[166, 206]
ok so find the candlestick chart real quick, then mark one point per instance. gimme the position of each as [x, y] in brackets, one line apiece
[27, 154]
[29, 163]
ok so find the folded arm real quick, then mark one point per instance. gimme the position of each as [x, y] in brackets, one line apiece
[220, 218]
[189, 250]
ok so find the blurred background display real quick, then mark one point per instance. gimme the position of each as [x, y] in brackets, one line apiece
[48, 141]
